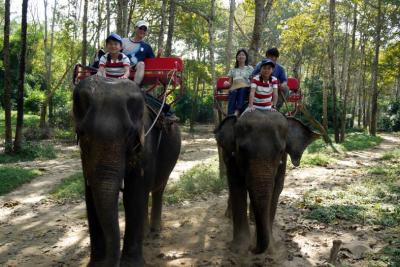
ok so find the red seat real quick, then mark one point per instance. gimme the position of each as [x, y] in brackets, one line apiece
[294, 93]
[161, 71]
[221, 92]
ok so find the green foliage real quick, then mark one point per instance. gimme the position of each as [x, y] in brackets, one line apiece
[360, 141]
[13, 177]
[390, 120]
[29, 121]
[199, 181]
[30, 151]
[71, 188]
[391, 155]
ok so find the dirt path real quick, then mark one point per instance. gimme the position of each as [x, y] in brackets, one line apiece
[36, 231]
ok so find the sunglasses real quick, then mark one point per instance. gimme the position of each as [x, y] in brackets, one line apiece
[143, 28]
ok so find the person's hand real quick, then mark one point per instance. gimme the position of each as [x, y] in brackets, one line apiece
[252, 108]
[100, 74]
[226, 84]
[125, 76]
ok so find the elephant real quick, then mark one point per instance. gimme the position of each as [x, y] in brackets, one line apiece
[254, 150]
[121, 150]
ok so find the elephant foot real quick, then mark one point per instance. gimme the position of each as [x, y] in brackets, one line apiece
[132, 262]
[258, 250]
[153, 235]
[103, 263]
[239, 247]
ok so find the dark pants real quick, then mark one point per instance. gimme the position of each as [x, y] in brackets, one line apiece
[236, 99]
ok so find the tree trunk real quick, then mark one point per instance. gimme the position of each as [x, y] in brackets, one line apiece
[50, 57]
[331, 53]
[84, 32]
[375, 72]
[21, 80]
[229, 40]
[108, 15]
[131, 9]
[397, 88]
[122, 18]
[171, 24]
[160, 42]
[349, 70]
[7, 82]
[261, 13]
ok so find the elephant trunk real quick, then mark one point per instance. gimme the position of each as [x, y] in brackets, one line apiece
[105, 191]
[260, 183]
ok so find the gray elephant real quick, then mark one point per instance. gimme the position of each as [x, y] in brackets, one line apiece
[111, 120]
[254, 150]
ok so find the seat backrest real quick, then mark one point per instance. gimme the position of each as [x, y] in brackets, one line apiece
[293, 84]
[220, 82]
[163, 63]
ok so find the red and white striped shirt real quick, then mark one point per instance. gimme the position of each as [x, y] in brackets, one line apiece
[264, 91]
[114, 69]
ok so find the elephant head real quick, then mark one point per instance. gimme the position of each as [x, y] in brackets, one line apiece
[256, 147]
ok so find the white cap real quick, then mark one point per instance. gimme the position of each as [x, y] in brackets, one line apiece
[141, 23]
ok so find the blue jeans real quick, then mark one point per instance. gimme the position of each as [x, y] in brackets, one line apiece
[236, 99]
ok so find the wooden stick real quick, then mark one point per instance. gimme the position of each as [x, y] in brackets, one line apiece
[334, 252]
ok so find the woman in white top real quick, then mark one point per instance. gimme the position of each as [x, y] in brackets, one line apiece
[239, 82]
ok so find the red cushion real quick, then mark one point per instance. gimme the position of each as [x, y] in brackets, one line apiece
[220, 82]
[163, 63]
[293, 84]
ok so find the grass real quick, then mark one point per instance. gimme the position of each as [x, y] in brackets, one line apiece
[71, 188]
[198, 182]
[30, 151]
[13, 177]
[321, 154]
[371, 200]
[29, 121]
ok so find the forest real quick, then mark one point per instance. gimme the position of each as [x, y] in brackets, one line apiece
[345, 55]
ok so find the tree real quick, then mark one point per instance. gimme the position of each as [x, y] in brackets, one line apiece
[230, 34]
[84, 32]
[375, 70]
[171, 23]
[7, 81]
[262, 9]
[122, 18]
[331, 52]
[21, 80]
[160, 42]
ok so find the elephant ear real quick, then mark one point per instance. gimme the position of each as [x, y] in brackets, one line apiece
[298, 138]
[225, 135]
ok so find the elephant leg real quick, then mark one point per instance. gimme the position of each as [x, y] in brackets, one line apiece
[241, 231]
[228, 211]
[97, 241]
[156, 210]
[279, 183]
[104, 223]
[135, 203]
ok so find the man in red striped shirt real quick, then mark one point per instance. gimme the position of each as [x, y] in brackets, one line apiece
[264, 88]
[114, 63]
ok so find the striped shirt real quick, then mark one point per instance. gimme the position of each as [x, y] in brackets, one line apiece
[264, 91]
[114, 69]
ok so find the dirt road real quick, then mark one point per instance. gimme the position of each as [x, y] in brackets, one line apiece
[36, 231]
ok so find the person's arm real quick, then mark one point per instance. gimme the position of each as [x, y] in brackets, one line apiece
[101, 71]
[251, 98]
[274, 93]
[127, 72]
[229, 83]
[150, 53]
[102, 63]
[253, 87]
